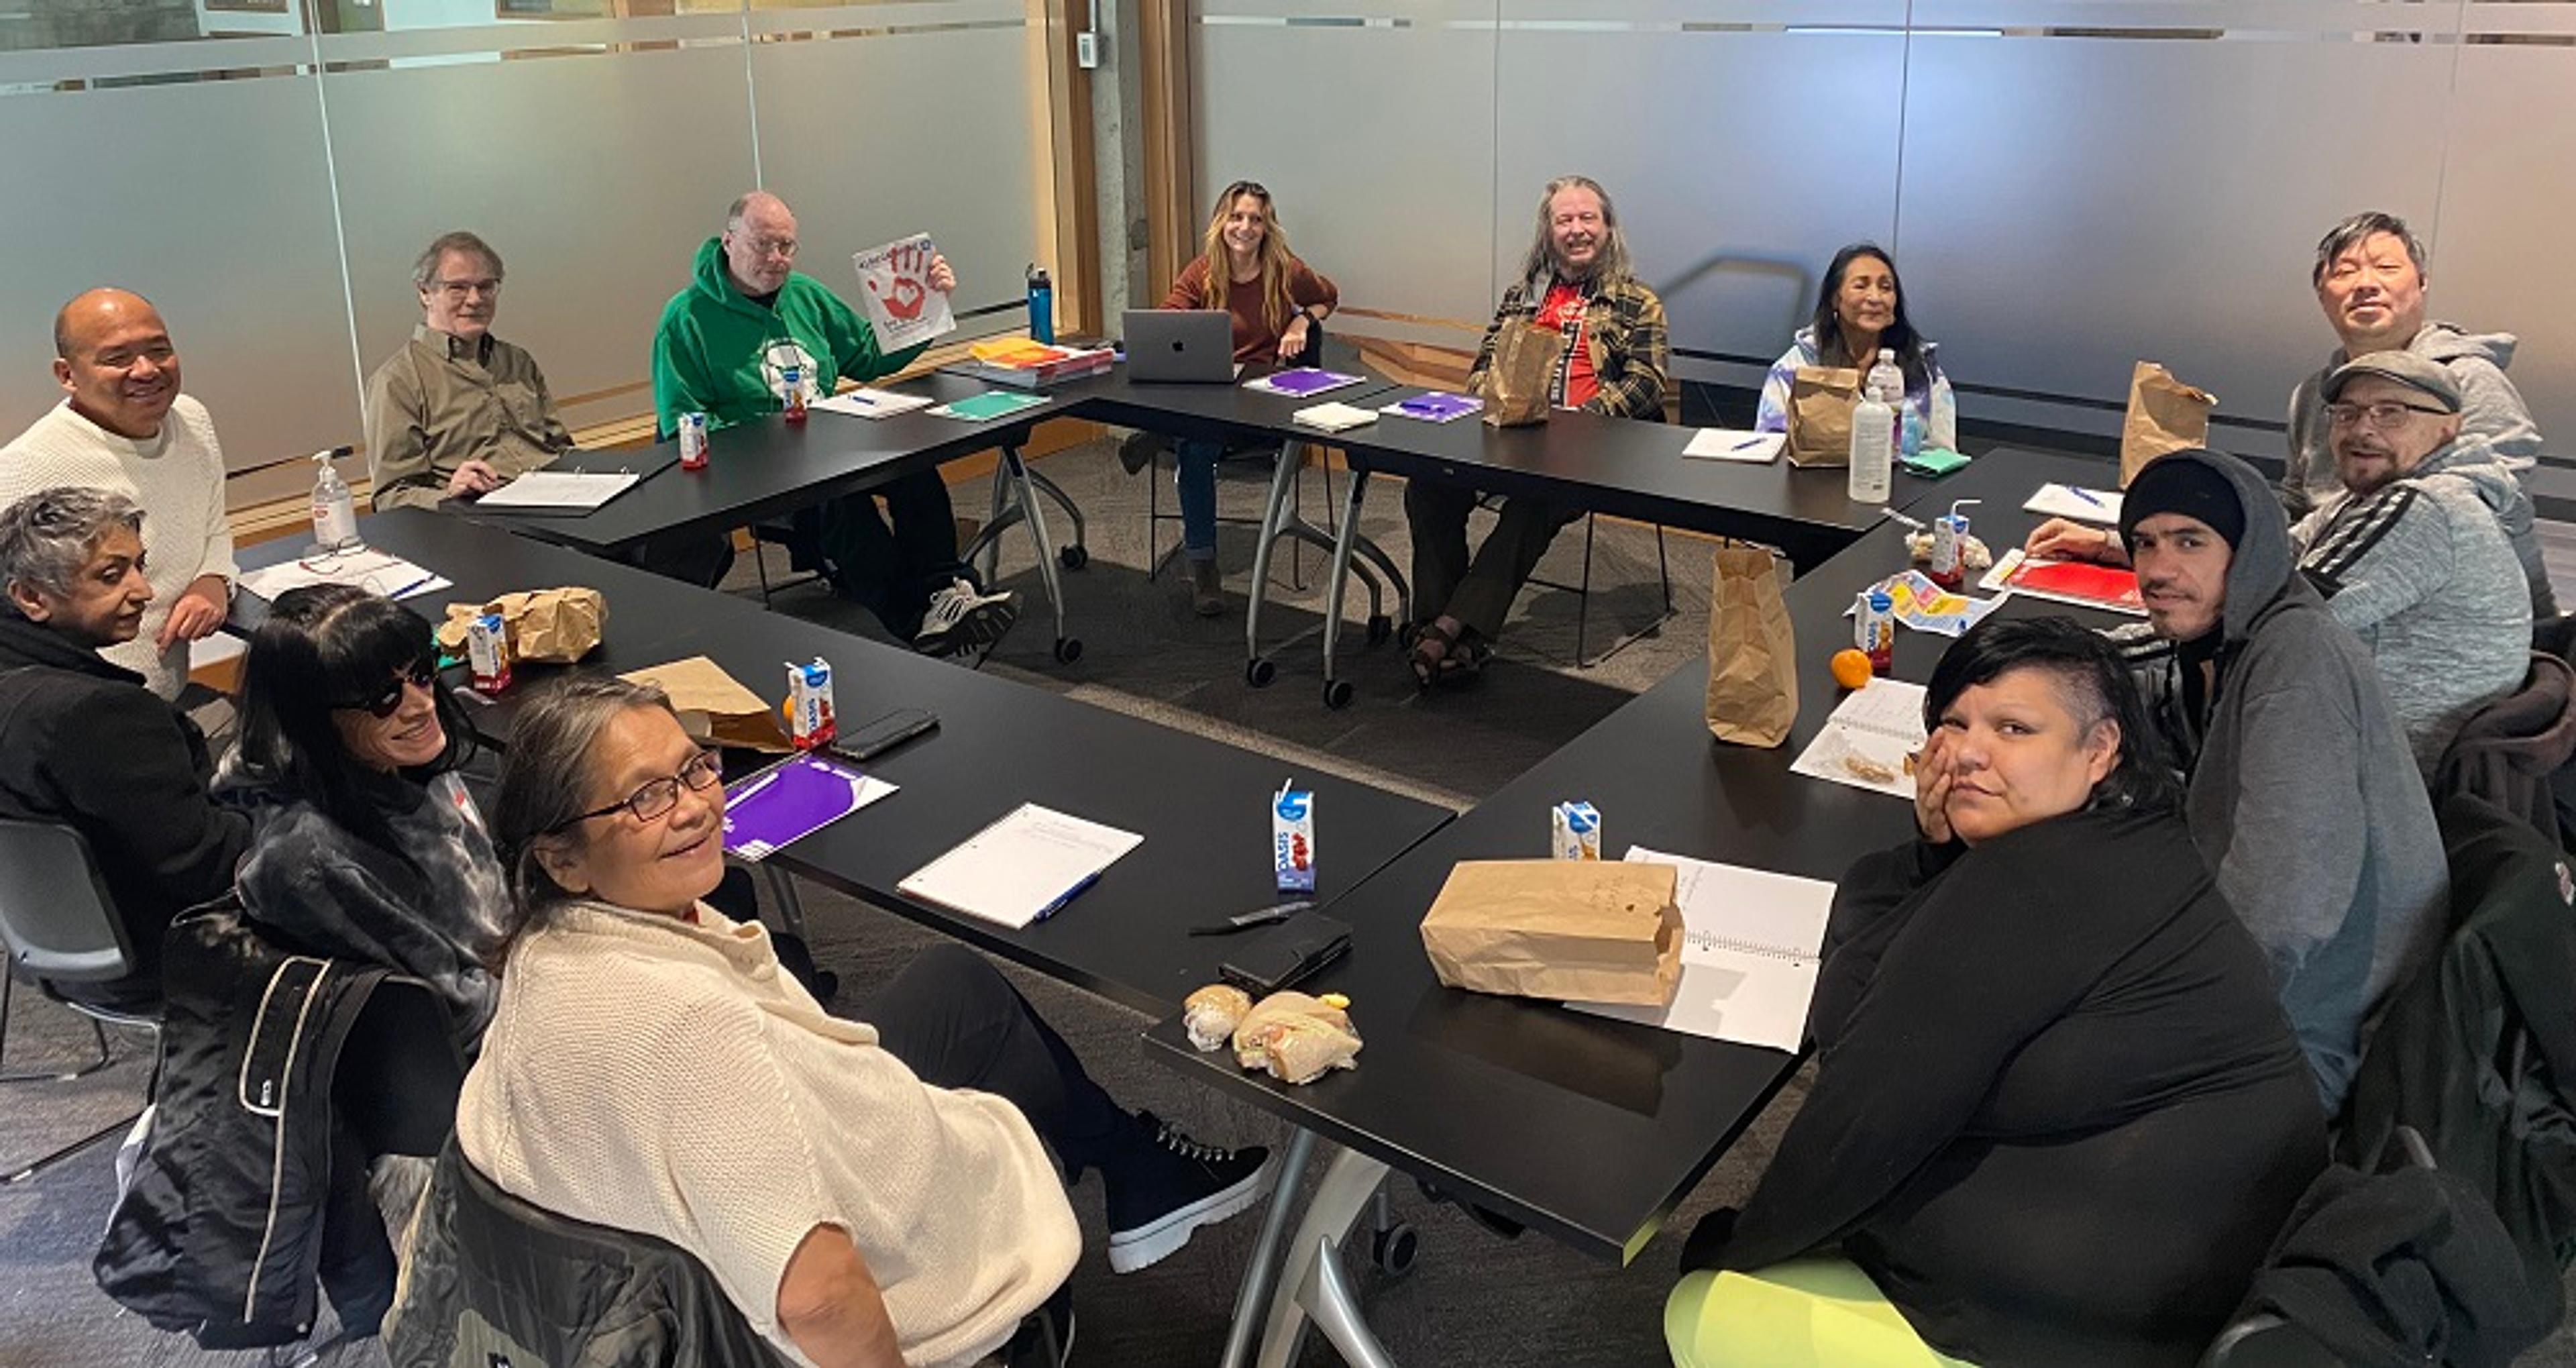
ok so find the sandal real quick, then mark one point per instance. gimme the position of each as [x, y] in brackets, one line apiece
[1439, 656]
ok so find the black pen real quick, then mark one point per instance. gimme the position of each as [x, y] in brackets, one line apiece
[1245, 921]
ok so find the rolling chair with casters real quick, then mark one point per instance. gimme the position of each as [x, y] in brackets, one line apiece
[60, 926]
[2262, 1339]
[1018, 491]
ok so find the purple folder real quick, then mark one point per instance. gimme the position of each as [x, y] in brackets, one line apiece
[791, 799]
[1306, 380]
[1438, 408]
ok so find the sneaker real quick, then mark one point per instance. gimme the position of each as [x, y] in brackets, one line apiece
[1139, 450]
[1207, 588]
[960, 619]
[1172, 1188]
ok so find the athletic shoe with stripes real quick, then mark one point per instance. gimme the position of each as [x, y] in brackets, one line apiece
[961, 619]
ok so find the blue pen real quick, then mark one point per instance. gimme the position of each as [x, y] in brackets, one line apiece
[1065, 897]
[415, 584]
[2086, 495]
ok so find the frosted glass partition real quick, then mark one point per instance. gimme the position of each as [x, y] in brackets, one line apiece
[2069, 185]
[1679, 111]
[593, 155]
[1372, 127]
[211, 198]
[881, 121]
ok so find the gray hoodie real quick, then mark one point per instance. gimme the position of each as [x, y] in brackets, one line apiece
[2302, 794]
[2490, 407]
[2422, 571]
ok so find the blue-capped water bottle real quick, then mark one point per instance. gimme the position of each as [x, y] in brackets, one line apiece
[1041, 305]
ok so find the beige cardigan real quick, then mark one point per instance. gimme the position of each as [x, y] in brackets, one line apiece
[656, 1076]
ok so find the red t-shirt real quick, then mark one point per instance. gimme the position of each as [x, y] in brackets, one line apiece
[1563, 311]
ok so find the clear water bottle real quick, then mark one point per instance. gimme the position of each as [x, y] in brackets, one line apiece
[1873, 437]
[335, 509]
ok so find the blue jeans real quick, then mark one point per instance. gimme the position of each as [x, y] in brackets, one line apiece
[1195, 459]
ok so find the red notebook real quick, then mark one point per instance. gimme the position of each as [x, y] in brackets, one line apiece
[2079, 582]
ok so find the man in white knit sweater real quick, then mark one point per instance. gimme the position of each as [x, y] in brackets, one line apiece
[124, 426]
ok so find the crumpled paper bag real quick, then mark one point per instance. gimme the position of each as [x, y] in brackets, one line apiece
[1752, 650]
[1517, 385]
[557, 625]
[1581, 930]
[2164, 415]
[714, 707]
[1821, 400]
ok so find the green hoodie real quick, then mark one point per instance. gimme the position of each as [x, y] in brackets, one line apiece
[719, 353]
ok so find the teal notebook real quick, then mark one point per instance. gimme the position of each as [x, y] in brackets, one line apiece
[977, 408]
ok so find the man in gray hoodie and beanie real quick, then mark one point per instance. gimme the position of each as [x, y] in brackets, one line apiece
[2370, 281]
[2301, 792]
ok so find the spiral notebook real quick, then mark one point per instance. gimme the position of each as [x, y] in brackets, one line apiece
[1751, 946]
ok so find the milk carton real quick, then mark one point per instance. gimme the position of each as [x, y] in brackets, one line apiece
[809, 705]
[1576, 828]
[1292, 840]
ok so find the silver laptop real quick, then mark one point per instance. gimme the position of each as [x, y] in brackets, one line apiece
[1181, 346]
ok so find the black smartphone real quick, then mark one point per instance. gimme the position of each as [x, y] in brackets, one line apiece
[1285, 955]
[872, 739]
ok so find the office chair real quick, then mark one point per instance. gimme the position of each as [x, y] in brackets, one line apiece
[60, 926]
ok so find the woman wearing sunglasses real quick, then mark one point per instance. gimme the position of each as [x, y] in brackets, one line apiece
[366, 844]
[865, 1190]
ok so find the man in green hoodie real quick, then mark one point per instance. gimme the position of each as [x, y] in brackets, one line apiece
[725, 347]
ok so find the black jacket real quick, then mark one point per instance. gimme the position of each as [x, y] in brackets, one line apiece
[2478, 1052]
[489, 1278]
[82, 742]
[254, 1182]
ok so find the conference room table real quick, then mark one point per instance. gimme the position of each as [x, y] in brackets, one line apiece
[1203, 807]
[1585, 1129]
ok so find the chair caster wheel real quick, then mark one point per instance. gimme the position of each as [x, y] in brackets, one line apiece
[1395, 1248]
[1337, 693]
[1408, 634]
[1380, 627]
[1259, 672]
[1067, 650]
[1073, 557]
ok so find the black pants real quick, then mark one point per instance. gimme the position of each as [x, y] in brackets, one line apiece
[1479, 593]
[691, 558]
[893, 570]
[958, 1023]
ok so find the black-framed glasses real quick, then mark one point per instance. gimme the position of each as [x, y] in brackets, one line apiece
[655, 797]
[2380, 416]
[421, 674]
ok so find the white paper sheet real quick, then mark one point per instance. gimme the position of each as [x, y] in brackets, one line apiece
[872, 403]
[1736, 444]
[2065, 501]
[894, 287]
[1022, 867]
[378, 571]
[1750, 941]
[1866, 741]
[1333, 416]
[563, 490]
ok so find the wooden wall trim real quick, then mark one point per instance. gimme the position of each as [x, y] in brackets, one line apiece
[1171, 198]
[1073, 191]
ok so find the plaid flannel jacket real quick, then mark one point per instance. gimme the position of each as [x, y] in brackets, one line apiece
[1623, 323]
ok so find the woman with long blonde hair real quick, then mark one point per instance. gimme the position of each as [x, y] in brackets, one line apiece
[1276, 302]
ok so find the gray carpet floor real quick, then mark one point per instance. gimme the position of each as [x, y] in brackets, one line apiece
[1472, 1299]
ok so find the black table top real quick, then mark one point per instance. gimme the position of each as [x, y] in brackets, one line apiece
[764, 469]
[1220, 411]
[1203, 807]
[1588, 1129]
[1630, 469]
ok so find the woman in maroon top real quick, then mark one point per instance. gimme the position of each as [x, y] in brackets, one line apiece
[1276, 301]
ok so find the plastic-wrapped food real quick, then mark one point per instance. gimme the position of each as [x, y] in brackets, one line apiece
[1296, 1037]
[1211, 1014]
[1973, 554]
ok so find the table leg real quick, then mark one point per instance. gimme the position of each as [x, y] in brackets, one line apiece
[782, 891]
[1283, 484]
[1345, 537]
[1025, 500]
[1261, 1273]
[1313, 1282]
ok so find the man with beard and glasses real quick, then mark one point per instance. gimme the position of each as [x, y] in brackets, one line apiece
[1578, 280]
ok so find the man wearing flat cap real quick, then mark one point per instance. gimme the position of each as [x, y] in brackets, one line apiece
[2425, 552]
[2301, 792]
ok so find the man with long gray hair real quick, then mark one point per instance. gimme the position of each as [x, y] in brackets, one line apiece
[1578, 281]
[84, 744]
[2370, 280]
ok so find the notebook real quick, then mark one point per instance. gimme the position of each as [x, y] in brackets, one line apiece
[991, 404]
[791, 800]
[1301, 382]
[2082, 583]
[1751, 946]
[1870, 741]
[1436, 407]
[1022, 868]
[1731, 444]
[1332, 416]
[872, 403]
[2076, 502]
[557, 491]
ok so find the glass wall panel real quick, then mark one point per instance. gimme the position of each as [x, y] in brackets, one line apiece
[884, 120]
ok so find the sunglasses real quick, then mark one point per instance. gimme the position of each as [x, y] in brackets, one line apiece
[421, 675]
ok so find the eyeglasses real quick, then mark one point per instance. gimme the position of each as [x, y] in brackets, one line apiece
[421, 674]
[779, 247]
[2381, 416]
[656, 797]
[462, 289]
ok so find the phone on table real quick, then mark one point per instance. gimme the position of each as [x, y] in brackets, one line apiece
[872, 739]
[1285, 955]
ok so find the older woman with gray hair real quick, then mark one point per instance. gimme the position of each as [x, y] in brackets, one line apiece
[84, 743]
[865, 1191]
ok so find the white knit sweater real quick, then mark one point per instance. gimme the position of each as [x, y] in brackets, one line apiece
[176, 477]
[656, 1076]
